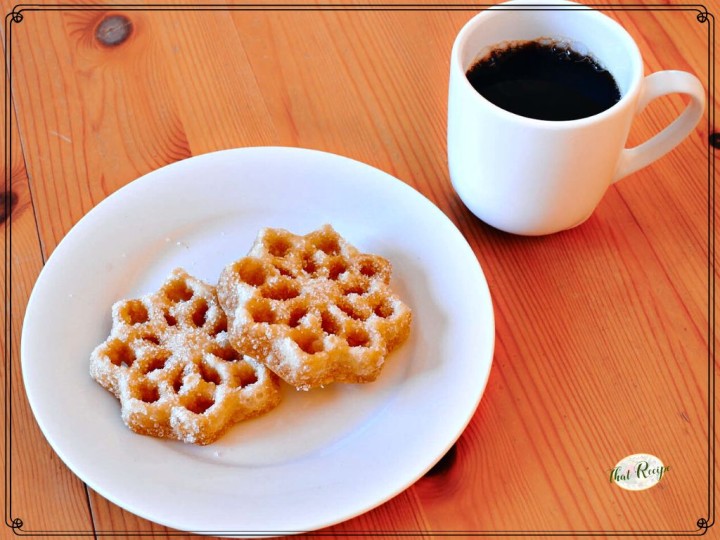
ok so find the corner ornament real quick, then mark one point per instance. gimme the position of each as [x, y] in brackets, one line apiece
[16, 15]
[703, 15]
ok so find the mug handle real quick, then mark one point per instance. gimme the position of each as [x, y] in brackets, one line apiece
[656, 85]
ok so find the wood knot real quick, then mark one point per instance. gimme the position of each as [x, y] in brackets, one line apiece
[445, 463]
[8, 201]
[113, 30]
[715, 140]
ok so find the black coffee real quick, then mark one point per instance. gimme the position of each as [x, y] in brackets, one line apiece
[544, 80]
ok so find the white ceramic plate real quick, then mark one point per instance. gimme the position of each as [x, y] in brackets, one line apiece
[322, 456]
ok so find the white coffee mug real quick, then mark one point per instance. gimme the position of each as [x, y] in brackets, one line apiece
[534, 177]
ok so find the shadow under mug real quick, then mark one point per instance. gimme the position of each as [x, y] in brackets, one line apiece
[534, 177]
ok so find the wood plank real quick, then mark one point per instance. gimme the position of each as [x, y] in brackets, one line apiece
[41, 492]
[98, 125]
[677, 186]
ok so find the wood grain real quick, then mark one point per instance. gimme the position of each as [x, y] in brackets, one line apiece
[602, 331]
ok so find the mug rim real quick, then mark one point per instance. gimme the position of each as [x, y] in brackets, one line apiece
[473, 22]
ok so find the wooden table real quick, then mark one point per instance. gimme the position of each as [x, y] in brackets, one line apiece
[605, 333]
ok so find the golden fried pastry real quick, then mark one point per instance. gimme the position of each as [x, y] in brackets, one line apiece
[169, 362]
[313, 308]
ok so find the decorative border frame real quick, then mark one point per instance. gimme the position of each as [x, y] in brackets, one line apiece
[8, 201]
